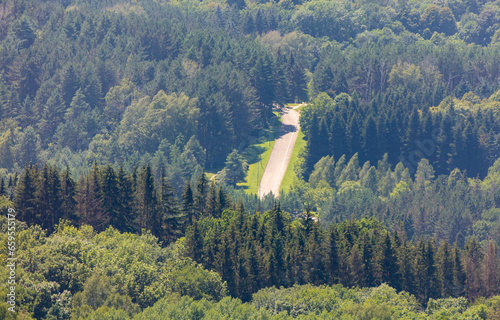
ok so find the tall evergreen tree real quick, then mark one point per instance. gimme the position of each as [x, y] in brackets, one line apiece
[169, 211]
[68, 192]
[187, 205]
[148, 217]
[24, 199]
[125, 223]
[445, 269]
[110, 196]
[200, 195]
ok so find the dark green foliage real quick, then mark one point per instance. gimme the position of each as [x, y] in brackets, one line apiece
[355, 253]
[235, 170]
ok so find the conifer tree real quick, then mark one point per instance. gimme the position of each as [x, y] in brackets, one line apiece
[459, 276]
[445, 269]
[200, 195]
[370, 140]
[24, 200]
[126, 203]
[412, 133]
[187, 205]
[90, 201]
[333, 257]
[338, 138]
[2, 186]
[194, 242]
[356, 267]
[388, 263]
[42, 199]
[68, 192]
[110, 197]
[169, 210]
[406, 267]
[148, 217]
[55, 197]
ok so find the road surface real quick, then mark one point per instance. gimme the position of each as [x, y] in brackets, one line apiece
[280, 155]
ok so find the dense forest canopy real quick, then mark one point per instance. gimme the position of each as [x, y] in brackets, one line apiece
[111, 111]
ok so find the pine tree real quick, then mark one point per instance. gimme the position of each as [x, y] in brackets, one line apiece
[333, 257]
[338, 138]
[187, 205]
[89, 200]
[445, 263]
[194, 242]
[55, 197]
[236, 168]
[369, 140]
[125, 207]
[356, 267]
[406, 266]
[353, 136]
[459, 276]
[281, 80]
[110, 197]
[262, 80]
[148, 217]
[211, 200]
[368, 278]
[24, 199]
[412, 133]
[169, 210]
[388, 263]
[297, 81]
[222, 202]
[444, 147]
[68, 192]
[200, 195]
[2, 187]
[42, 199]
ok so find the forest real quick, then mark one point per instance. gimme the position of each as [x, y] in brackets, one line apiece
[123, 130]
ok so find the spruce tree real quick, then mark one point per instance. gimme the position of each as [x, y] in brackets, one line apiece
[111, 197]
[388, 263]
[200, 195]
[43, 211]
[187, 205]
[445, 269]
[459, 276]
[126, 203]
[148, 217]
[370, 140]
[68, 192]
[24, 199]
[169, 211]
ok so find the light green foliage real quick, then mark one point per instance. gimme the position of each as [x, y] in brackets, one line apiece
[319, 105]
[406, 75]
[148, 121]
[98, 271]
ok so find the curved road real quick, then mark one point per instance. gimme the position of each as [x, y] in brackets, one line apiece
[280, 156]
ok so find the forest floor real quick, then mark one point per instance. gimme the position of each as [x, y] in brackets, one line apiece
[280, 156]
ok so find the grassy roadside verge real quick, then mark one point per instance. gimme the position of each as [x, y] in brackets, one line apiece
[257, 156]
[290, 177]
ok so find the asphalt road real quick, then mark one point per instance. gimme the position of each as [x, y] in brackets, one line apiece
[280, 155]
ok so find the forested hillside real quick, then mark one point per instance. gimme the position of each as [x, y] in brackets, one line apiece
[115, 113]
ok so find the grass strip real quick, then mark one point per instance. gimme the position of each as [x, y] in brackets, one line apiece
[257, 156]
